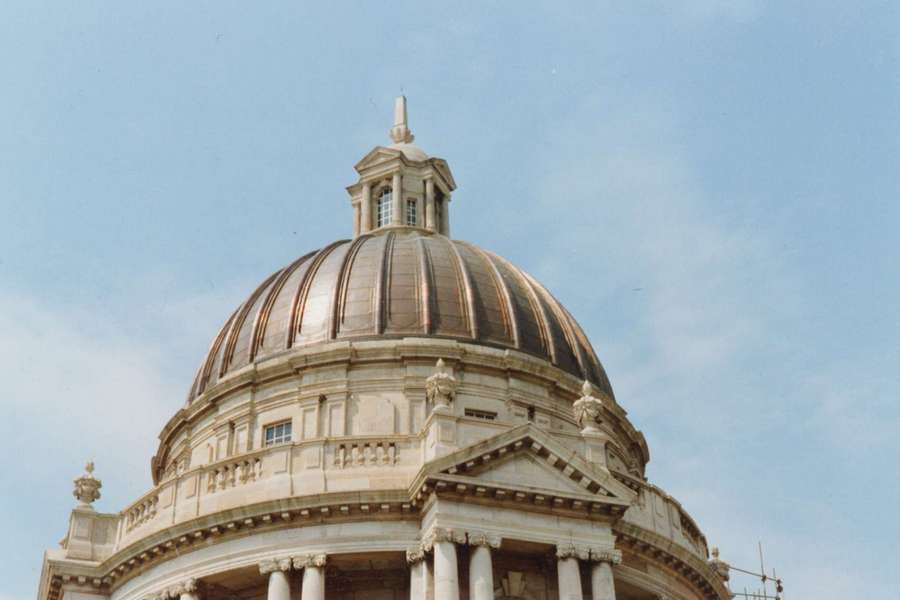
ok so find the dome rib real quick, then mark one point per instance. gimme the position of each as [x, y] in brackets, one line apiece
[339, 297]
[564, 324]
[238, 324]
[510, 315]
[462, 271]
[213, 353]
[262, 318]
[425, 278]
[540, 313]
[299, 303]
[380, 295]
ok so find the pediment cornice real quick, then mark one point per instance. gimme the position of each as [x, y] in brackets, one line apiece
[568, 481]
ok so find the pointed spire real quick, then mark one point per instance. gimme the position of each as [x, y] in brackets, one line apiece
[400, 132]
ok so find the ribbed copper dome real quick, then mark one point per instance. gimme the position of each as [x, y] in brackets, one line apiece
[395, 283]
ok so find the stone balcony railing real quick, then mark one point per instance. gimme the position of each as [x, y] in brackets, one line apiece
[301, 468]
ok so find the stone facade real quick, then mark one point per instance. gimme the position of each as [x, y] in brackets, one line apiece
[413, 466]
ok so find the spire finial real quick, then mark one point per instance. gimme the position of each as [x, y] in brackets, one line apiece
[400, 132]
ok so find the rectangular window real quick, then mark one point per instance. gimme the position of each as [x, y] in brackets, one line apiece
[280, 433]
[485, 415]
[412, 217]
[384, 207]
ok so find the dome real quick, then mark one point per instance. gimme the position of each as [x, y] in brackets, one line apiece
[394, 283]
[410, 151]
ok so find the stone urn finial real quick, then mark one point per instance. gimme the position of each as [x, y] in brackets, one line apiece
[719, 566]
[440, 388]
[588, 409]
[87, 487]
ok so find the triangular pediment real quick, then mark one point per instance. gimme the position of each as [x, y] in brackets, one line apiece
[378, 155]
[525, 469]
[528, 464]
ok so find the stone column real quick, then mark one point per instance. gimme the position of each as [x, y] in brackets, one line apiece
[397, 195]
[277, 570]
[602, 585]
[445, 216]
[446, 571]
[429, 204]
[366, 221]
[568, 571]
[313, 586]
[415, 557]
[481, 570]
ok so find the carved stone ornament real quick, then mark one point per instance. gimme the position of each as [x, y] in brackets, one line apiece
[273, 565]
[564, 551]
[443, 534]
[440, 388]
[588, 409]
[719, 566]
[310, 561]
[480, 538]
[87, 487]
[613, 557]
[415, 554]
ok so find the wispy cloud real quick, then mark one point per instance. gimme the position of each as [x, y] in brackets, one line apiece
[694, 312]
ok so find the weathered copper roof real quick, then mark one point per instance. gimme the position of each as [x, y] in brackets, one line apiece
[394, 283]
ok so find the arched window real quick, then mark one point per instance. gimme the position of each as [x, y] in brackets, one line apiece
[384, 207]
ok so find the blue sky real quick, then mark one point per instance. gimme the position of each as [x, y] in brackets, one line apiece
[710, 186]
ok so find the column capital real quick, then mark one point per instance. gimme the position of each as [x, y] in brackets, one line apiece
[564, 551]
[415, 554]
[606, 555]
[310, 560]
[443, 534]
[481, 538]
[273, 565]
[188, 586]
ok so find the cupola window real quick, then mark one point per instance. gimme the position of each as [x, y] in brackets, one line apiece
[411, 212]
[279, 433]
[384, 207]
